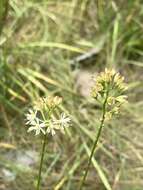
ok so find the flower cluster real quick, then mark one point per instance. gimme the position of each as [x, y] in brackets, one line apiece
[41, 118]
[47, 103]
[110, 86]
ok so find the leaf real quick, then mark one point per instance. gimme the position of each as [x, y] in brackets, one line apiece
[99, 170]
[7, 145]
[52, 45]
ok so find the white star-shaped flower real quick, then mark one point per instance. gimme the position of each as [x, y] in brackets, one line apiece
[37, 126]
[31, 116]
[51, 128]
[63, 122]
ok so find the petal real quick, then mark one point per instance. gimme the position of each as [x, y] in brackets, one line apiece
[30, 110]
[42, 125]
[27, 122]
[56, 126]
[48, 130]
[31, 129]
[37, 132]
[53, 132]
[33, 122]
[43, 131]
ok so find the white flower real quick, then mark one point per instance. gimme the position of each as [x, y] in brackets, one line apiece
[47, 126]
[37, 126]
[51, 128]
[64, 121]
[31, 116]
[58, 124]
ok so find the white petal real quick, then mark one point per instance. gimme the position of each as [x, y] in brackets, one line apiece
[42, 125]
[53, 132]
[37, 132]
[27, 122]
[48, 130]
[56, 127]
[43, 131]
[31, 129]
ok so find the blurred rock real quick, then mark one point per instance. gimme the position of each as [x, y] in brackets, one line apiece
[27, 158]
[8, 175]
[22, 158]
[84, 82]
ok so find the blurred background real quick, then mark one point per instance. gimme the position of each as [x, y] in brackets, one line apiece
[54, 47]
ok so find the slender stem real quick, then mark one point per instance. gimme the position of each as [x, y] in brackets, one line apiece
[95, 142]
[41, 162]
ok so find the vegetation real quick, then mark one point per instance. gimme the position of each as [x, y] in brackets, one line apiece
[39, 45]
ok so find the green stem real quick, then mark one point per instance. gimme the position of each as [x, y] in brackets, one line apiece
[41, 162]
[95, 142]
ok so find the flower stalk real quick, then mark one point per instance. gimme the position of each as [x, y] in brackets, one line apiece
[41, 162]
[95, 142]
[109, 92]
[42, 118]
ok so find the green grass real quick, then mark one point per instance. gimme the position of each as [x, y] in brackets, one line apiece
[38, 41]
